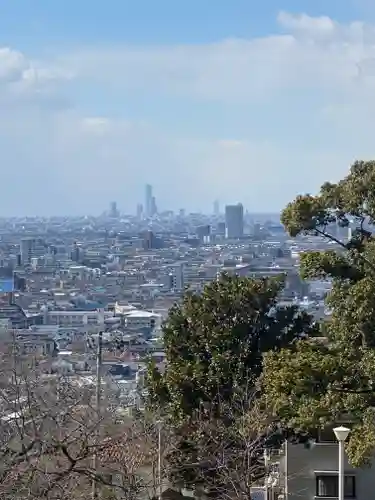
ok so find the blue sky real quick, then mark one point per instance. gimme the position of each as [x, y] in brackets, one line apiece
[155, 21]
[237, 100]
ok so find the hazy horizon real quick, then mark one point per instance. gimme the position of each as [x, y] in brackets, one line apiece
[259, 216]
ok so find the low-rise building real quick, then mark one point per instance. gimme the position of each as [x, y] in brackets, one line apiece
[76, 318]
[310, 472]
[143, 319]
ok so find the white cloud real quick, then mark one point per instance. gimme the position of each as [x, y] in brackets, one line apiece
[317, 52]
[17, 72]
[12, 65]
[96, 125]
[315, 26]
[229, 144]
[315, 84]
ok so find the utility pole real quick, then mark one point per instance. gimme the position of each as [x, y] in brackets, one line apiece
[99, 361]
[160, 486]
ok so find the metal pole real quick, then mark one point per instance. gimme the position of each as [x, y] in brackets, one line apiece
[159, 462]
[341, 470]
[97, 407]
[286, 469]
[266, 466]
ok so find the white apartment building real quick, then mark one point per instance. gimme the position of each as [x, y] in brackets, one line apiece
[77, 318]
[143, 319]
[176, 272]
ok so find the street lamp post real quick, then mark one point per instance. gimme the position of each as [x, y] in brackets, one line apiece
[341, 434]
[159, 424]
[267, 468]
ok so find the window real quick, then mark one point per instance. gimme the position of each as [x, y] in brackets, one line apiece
[328, 486]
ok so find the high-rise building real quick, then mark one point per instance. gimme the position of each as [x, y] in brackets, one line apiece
[220, 229]
[257, 230]
[203, 233]
[113, 212]
[150, 241]
[216, 207]
[148, 200]
[26, 249]
[32, 247]
[139, 211]
[76, 253]
[234, 221]
[177, 276]
[154, 208]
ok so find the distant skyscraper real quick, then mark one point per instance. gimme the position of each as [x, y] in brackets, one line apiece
[203, 233]
[154, 208]
[216, 207]
[148, 200]
[32, 247]
[234, 221]
[113, 212]
[257, 230]
[139, 211]
[220, 229]
[75, 253]
[27, 249]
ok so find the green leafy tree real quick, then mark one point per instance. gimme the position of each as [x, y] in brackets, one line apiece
[312, 384]
[214, 344]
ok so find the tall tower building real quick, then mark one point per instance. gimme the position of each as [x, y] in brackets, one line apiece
[139, 211]
[113, 212]
[234, 221]
[27, 247]
[148, 200]
[154, 208]
[216, 207]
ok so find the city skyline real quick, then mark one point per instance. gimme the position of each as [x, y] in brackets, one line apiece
[257, 105]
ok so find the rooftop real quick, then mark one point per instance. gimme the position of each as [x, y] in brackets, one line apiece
[142, 314]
